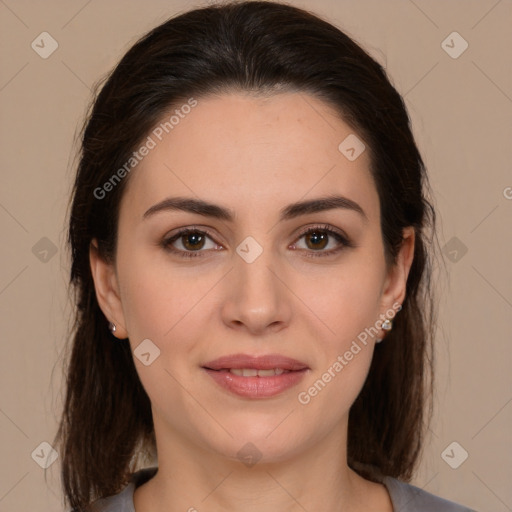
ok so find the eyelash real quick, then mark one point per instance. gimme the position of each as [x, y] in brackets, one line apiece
[342, 239]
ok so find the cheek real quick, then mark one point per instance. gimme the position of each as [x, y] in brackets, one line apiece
[166, 308]
[345, 301]
[156, 298]
[147, 304]
[347, 305]
[345, 350]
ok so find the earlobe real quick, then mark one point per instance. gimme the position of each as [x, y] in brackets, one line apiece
[107, 290]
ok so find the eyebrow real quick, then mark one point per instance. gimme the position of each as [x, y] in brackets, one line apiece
[291, 211]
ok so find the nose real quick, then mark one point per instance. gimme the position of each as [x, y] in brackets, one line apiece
[256, 298]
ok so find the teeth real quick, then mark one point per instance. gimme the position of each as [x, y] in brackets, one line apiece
[244, 373]
[252, 372]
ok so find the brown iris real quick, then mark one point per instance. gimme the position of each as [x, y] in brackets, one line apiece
[319, 240]
[193, 241]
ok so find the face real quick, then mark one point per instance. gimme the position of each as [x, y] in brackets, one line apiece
[268, 268]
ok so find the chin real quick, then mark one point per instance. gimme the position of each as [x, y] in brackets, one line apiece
[259, 443]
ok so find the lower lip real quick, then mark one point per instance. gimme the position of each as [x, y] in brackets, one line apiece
[256, 387]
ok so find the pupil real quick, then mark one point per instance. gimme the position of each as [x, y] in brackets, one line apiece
[192, 241]
[316, 237]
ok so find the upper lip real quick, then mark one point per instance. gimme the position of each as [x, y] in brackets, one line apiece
[265, 362]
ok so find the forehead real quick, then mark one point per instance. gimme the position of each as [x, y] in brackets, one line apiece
[236, 149]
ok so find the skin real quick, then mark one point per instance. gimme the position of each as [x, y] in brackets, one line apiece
[255, 156]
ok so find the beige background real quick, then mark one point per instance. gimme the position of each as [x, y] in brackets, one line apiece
[462, 115]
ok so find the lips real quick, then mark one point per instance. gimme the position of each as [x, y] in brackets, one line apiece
[256, 376]
[248, 362]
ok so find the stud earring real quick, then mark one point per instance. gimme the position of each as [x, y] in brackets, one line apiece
[112, 327]
[387, 325]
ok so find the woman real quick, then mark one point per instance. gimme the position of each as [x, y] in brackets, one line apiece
[250, 242]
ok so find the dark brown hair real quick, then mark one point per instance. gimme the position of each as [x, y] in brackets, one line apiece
[259, 47]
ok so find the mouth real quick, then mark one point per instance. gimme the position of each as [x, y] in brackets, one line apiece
[254, 372]
[256, 376]
[275, 362]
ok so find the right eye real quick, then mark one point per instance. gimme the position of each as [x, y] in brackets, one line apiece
[189, 242]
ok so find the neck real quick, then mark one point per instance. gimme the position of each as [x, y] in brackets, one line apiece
[191, 478]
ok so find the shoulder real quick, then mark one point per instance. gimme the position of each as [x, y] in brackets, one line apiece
[123, 501]
[409, 498]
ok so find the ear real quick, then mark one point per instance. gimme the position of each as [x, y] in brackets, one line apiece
[107, 290]
[396, 279]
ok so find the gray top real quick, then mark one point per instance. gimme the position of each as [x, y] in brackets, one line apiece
[405, 497]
